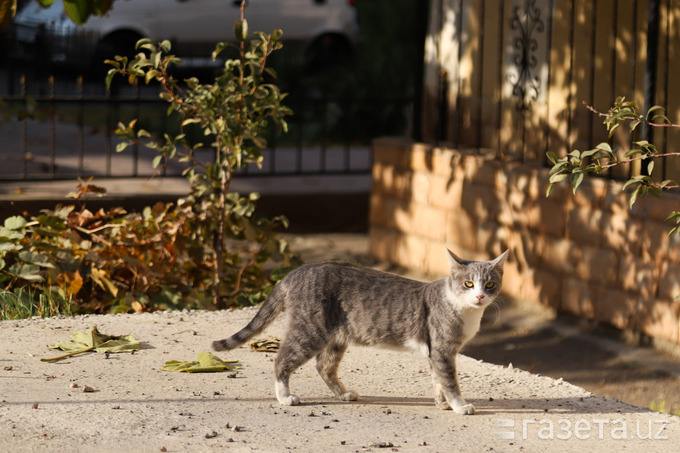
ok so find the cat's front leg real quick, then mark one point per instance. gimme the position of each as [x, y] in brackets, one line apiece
[446, 389]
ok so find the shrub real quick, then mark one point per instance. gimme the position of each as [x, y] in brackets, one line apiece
[208, 249]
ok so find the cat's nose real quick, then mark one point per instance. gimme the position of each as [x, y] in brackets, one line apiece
[480, 297]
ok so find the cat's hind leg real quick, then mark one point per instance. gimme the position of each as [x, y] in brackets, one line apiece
[291, 356]
[327, 363]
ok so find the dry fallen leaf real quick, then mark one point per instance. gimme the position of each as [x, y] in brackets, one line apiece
[270, 344]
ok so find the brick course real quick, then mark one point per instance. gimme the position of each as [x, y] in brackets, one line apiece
[587, 254]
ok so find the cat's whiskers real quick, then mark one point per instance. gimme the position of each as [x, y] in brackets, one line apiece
[497, 306]
[497, 309]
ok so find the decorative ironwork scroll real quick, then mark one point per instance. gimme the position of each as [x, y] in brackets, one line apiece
[526, 21]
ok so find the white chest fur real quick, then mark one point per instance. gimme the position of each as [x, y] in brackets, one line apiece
[472, 317]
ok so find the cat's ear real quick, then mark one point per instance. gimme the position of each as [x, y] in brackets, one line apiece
[498, 262]
[454, 260]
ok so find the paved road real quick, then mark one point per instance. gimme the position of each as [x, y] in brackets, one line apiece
[45, 150]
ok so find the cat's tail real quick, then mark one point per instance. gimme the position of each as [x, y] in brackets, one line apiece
[269, 310]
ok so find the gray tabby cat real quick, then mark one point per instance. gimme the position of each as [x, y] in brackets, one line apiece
[333, 304]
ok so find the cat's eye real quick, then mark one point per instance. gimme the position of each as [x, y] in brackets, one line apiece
[469, 284]
[489, 285]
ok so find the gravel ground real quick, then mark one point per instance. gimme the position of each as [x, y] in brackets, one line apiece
[134, 406]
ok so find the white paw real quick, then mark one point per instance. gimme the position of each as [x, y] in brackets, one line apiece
[467, 409]
[349, 396]
[290, 400]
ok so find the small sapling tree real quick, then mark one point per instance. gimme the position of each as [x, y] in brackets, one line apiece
[233, 114]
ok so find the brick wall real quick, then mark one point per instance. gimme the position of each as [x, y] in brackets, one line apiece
[586, 254]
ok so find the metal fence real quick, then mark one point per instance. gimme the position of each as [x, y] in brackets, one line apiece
[512, 76]
[61, 127]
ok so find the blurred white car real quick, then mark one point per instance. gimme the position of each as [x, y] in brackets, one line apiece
[47, 35]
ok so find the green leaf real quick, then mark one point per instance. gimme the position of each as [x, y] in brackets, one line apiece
[612, 129]
[9, 247]
[606, 147]
[660, 119]
[52, 221]
[165, 46]
[78, 10]
[549, 190]
[110, 75]
[29, 272]
[189, 121]
[653, 109]
[219, 48]
[673, 216]
[157, 160]
[634, 196]
[630, 182]
[589, 153]
[36, 259]
[576, 180]
[15, 222]
[150, 75]
[559, 166]
[11, 235]
[558, 178]
[241, 30]
[650, 167]
[144, 43]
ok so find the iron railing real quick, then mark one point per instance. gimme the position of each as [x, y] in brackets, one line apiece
[58, 130]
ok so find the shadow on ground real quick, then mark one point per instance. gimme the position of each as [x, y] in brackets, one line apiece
[579, 358]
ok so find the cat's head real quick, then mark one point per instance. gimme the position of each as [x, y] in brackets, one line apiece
[476, 283]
